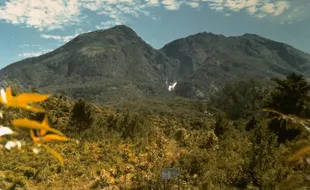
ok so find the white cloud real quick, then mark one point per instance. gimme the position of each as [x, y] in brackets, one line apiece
[156, 18]
[171, 4]
[193, 4]
[261, 15]
[108, 24]
[63, 39]
[58, 38]
[153, 2]
[217, 5]
[257, 8]
[241, 4]
[252, 10]
[275, 8]
[34, 53]
[41, 14]
[58, 14]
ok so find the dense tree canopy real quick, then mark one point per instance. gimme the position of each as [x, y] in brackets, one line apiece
[290, 95]
[240, 99]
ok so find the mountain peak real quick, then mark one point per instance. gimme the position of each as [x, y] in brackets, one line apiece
[118, 29]
[252, 36]
[115, 36]
[122, 27]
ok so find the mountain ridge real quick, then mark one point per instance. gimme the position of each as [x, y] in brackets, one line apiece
[116, 64]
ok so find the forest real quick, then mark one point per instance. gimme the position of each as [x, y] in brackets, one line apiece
[250, 134]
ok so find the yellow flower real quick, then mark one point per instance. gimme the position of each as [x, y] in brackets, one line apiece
[30, 124]
[45, 138]
[300, 154]
[22, 100]
[55, 154]
[41, 136]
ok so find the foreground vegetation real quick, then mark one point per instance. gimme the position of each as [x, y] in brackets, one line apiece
[225, 143]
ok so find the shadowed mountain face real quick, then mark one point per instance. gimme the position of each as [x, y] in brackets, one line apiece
[115, 64]
[208, 60]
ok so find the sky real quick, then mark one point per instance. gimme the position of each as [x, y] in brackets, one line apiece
[33, 27]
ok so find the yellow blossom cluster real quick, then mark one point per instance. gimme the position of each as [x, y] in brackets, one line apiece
[40, 132]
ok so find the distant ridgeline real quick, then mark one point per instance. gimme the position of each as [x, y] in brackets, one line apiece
[107, 66]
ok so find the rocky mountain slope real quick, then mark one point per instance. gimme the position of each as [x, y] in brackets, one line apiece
[207, 60]
[116, 64]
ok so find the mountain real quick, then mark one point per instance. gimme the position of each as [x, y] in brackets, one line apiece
[104, 65]
[115, 64]
[208, 60]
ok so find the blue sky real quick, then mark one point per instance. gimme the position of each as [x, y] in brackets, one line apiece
[33, 27]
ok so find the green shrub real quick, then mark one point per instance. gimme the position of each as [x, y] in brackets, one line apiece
[291, 95]
[241, 99]
[81, 117]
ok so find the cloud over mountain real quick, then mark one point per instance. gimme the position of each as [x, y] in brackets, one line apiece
[58, 14]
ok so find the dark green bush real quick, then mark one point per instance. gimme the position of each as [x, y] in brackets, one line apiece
[81, 117]
[291, 95]
[241, 99]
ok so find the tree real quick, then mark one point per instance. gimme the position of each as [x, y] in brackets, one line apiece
[81, 117]
[241, 99]
[290, 96]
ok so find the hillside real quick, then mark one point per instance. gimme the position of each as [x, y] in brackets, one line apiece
[125, 146]
[104, 65]
[107, 66]
[208, 60]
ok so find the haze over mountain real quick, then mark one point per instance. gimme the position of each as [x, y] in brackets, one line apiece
[114, 64]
